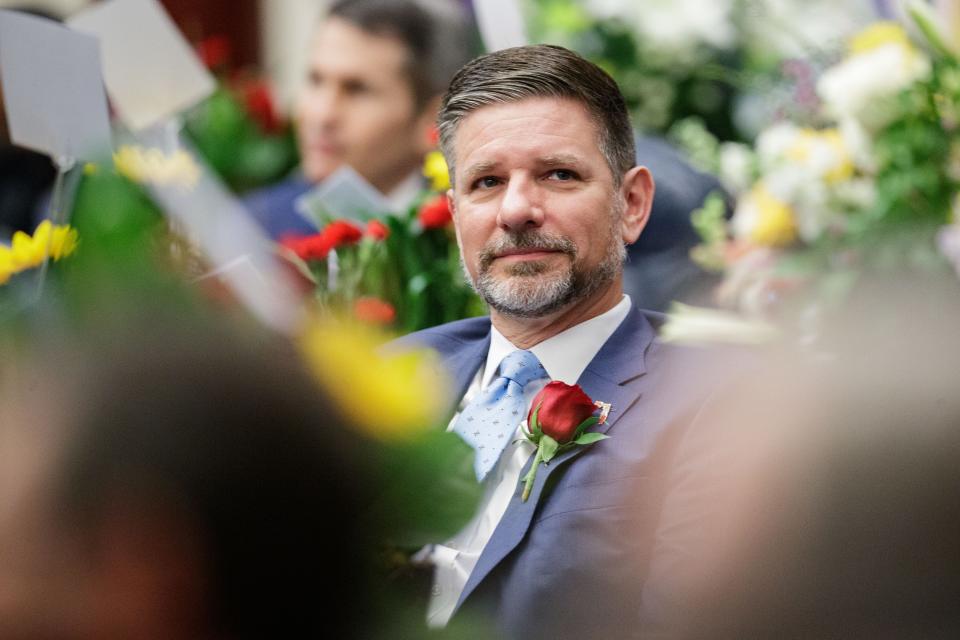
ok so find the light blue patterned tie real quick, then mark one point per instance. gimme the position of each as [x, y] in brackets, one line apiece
[488, 422]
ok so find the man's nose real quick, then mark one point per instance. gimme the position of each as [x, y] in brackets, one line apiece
[521, 206]
[325, 105]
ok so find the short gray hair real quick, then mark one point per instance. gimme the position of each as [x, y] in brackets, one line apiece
[539, 71]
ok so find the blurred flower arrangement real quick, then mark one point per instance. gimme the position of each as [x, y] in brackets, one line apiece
[730, 65]
[399, 400]
[398, 271]
[131, 262]
[867, 185]
[238, 129]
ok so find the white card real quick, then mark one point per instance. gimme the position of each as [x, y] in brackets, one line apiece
[150, 70]
[53, 88]
[231, 241]
[343, 194]
[501, 24]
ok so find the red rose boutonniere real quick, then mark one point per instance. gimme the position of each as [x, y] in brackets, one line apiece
[558, 419]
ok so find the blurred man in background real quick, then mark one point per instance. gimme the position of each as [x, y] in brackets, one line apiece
[377, 70]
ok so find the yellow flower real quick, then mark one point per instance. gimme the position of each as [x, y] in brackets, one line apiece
[388, 396]
[153, 166]
[6, 264]
[27, 252]
[435, 168]
[775, 224]
[825, 151]
[877, 35]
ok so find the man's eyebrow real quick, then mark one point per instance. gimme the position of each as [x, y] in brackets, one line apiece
[480, 168]
[559, 160]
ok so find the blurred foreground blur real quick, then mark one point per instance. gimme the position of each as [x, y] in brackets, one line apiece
[829, 486]
[177, 480]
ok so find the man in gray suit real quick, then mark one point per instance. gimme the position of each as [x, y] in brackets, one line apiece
[545, 198]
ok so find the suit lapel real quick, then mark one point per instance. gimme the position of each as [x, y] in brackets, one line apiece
[612, 376]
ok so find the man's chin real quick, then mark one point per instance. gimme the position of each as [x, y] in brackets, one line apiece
[531, 295]
[320, 169]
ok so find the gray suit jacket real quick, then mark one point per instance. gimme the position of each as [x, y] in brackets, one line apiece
[572, 561]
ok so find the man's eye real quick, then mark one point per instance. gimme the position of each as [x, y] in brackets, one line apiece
[356, 88]
[486, 182]
[563, 175]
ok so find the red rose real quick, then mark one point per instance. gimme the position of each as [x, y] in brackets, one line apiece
[374, 311]
[340, 232]
[562, 408]
[435, 213]
[377, 230]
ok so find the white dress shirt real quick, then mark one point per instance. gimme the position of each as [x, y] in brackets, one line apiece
[564, 356]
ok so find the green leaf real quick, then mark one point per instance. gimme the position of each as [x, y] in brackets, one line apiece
[590, 438]
[535, 422]
[430, 489]
[548, 448]
[586, 424]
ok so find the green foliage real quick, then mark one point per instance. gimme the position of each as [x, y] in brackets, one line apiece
[659, 89]
[430, 489]
[911, 155]
[548, 448]
[243, 155]
[590, 438]
[709, 221]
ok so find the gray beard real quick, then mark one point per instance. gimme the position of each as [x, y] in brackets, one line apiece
[528, 290]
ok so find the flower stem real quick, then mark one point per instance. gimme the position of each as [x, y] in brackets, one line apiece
[531, 475]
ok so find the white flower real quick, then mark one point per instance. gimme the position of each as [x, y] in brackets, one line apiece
[675, 26]
[793, 29]
[858, 86]
[859, 193]
[736, 166]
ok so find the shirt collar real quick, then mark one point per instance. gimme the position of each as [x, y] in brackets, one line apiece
[566, 354]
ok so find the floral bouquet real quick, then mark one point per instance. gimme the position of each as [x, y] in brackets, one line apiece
[399, 271]
[238, 129]
[868, 186]
[729, 66]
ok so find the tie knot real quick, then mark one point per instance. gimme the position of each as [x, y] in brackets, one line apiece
[522, 367]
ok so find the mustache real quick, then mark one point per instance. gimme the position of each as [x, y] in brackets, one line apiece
[536, 240]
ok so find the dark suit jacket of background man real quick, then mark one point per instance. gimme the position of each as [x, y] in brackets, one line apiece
[572, 561]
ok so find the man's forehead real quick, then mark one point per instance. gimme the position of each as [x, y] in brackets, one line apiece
[341, 41]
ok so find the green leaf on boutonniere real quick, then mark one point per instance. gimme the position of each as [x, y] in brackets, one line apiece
[590, 438]
[586, 424]
[535, 424]
[548, 448]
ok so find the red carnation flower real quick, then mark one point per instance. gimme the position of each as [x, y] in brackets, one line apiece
[340, 233]
[377, 230]
[435, 213]
[214, 51]
[258, 99]
[312, 247]
[374, 311]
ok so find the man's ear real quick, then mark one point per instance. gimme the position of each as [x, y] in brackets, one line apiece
[452, 203]
[425, 123]
[637, 190]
